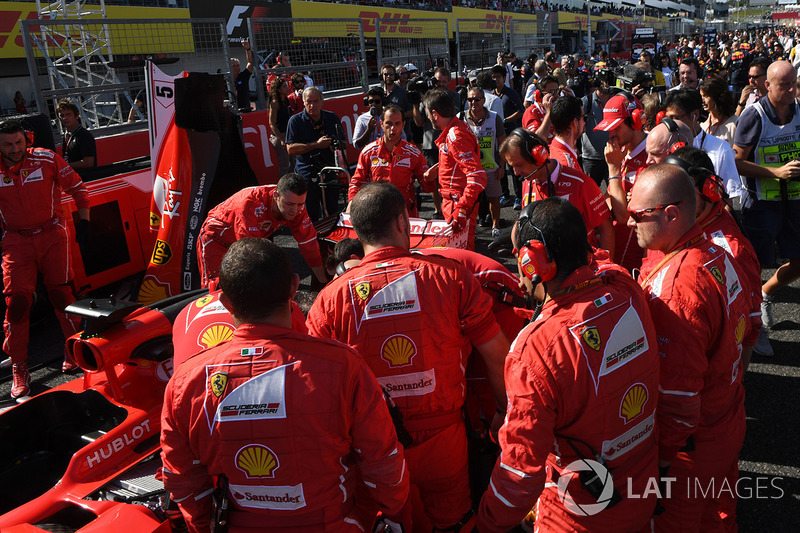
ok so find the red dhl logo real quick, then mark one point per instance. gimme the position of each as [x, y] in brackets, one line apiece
[397, 24]
[496, 22]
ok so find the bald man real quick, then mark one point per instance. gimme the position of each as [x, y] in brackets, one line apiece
[701, 315]
[661, 140]
[767, 146]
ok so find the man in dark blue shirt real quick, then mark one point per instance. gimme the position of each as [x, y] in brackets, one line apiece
[310, 136]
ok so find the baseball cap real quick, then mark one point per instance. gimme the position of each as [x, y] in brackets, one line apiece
[614, 112]
[410, 67]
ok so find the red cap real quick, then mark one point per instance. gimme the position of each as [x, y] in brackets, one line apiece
[615, 111]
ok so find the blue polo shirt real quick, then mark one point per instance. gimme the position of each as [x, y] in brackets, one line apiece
[303, 130]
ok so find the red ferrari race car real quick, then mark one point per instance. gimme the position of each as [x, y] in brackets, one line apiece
[83, 456]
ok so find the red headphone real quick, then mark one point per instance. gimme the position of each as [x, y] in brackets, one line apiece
[707, 183]
[672, 126]
[534, 258]
[634, 109]
[536, 151]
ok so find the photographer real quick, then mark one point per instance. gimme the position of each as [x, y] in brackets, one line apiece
[312, 136]
[368, 125]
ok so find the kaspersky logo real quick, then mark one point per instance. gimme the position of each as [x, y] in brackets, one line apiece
[257, 461]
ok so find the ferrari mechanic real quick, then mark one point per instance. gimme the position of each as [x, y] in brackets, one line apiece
[288, 424]
[392, 159]
[411, 318]
[461, 175]
[701, 310]
[259, 212]
[35, 239]
[582, 381]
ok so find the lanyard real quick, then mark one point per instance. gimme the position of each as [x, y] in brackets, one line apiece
[585, 284]
[672, 254]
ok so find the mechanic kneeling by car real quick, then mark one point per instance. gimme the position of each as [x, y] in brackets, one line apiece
[287, 424]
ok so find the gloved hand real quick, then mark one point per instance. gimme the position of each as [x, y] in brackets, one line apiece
[458, 220]
[384, 525]
[82, 233]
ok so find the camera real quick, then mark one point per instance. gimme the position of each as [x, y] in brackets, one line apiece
[419, 86]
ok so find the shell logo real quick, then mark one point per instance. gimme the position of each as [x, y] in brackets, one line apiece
[398, 351]
[204, 301]
[633, 402]
[215, 334]
[257, 461]
[740, 327]
[152, 291]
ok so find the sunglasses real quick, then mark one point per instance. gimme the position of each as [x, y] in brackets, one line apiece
[755, 77]
[374, 102]
[474, 99]
[639, 214]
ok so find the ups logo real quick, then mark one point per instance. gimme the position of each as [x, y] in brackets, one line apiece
[162, 253]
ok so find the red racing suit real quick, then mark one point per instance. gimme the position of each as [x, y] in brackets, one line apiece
[289, 420]
[626, 249]
[400, 167]
[248, 213]
[36, 239]
[205, 322]
[564, 154]
[494, 278]
[411, 317]
[461, 175]
[701, 307]
[532, 120]
[578, 188]
[583, 376]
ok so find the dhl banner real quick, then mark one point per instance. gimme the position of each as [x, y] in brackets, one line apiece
[11, 13]
[406, 24]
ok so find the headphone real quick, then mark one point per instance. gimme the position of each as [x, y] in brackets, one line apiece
[536, 151]
[707, 183]
[534, 258]
[672, 126]
[638, 117]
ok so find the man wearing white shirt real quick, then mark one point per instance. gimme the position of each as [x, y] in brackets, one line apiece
[685, 105]
[493, 103]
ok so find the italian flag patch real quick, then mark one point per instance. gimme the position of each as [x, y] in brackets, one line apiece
[249, 352]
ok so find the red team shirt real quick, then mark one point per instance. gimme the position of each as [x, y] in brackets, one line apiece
[579, 189]
[564, 154]
[626, 250]
[532, 120]
[400, 167]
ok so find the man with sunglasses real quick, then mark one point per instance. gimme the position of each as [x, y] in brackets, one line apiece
[393, 92]
[722, 229]
[756, 84]
[767, 144]
[536, 118]
[582, 382]
[488, 128]
[368, 125]
[701, 311]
